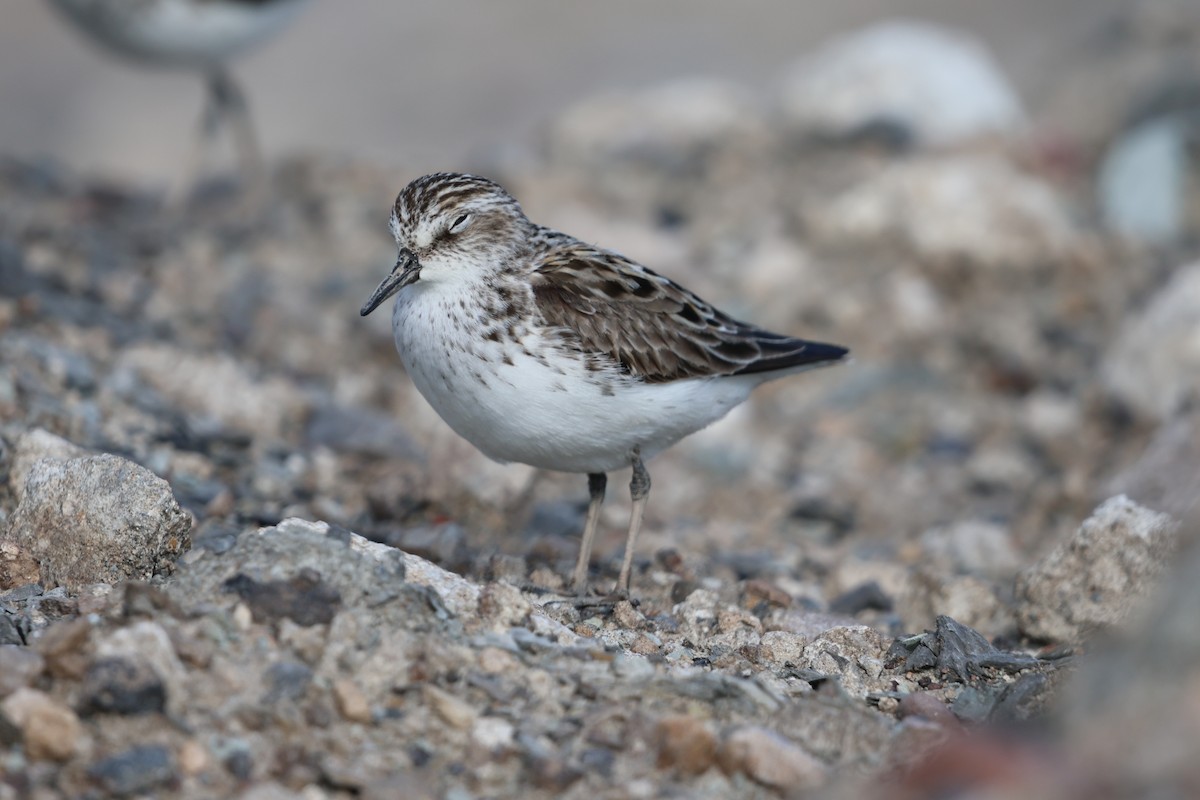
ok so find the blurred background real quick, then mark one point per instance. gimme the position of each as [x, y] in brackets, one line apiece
[427, 83]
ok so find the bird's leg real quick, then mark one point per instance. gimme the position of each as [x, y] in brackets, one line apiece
[597, 481]
[210, 125]
[225, 103]
[231, 103]
[639, 490]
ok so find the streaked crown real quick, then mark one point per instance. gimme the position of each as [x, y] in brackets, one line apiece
[456, 215]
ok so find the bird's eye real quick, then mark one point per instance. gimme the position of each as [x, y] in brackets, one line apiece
[461, 222]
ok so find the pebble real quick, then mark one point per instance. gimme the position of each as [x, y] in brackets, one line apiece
[50, 730]
[134, 771]
[769, 759]
[1153, 362]
[351, 702]
[686, 743]
[19, 666]
[121, 686]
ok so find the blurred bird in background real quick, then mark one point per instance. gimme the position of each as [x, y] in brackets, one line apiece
[201, 35]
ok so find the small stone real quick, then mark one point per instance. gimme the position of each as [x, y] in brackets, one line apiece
[135, 771]
[51, 731]
[451, 709]
[927, 706]
[867, 596]
[493, 733]
[288, 681]
[146, 642]
[494, 661]
[65, 646]
[626, 616]
[757, 592]
[351, 702]
[1155, 357]
[768, 758]
[18, 567]
[632, 668]
[19, 666]
[305, 598]
[122, 686]
[193, 758]
[685, 743]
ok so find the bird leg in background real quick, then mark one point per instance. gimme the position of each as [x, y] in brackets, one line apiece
[597, 482]
[639, 490]
[225, 103]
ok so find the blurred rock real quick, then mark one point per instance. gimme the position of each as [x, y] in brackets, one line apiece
[937, 85]
[1153, 363]
[973, 208]
[50, 730]
[18, 567]
[770, 759]
[1095, 579]
[98, 519]
[361, 430]
[135, 771]
[144, 672]
[665, 126]
[32, 446]
[118, 686]
[19, 666]
[973, 547]
[1166, 477]
[686, 743]
[1143, 181]
[219, 387]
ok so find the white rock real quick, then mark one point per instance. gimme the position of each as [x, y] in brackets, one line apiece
[1154, 363]
[940, 84]
[661, 122]
[1143, 181]
[976, 208]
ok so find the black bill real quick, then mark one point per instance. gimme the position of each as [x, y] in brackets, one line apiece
[406, 271]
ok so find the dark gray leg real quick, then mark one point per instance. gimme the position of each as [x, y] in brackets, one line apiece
[597, 482]
[639, 490]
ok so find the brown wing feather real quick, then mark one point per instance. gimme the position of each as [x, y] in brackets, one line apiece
[651, 327]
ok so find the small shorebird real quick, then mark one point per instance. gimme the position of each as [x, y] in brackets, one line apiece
[201, 35]
[541, 349]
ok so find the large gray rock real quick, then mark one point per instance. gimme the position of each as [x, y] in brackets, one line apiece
[941, 85]
[1154, 363]
[98, 519]
[1095, 579]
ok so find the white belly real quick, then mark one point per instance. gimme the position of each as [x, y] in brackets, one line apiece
[179, 32]
[548, 412]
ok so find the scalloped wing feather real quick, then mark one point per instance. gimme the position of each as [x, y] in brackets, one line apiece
[650, 327]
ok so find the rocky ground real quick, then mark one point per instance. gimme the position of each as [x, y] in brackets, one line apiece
[240, 556]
